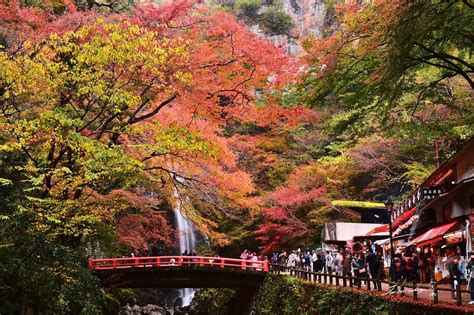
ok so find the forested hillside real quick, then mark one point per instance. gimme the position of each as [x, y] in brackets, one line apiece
[113, 112]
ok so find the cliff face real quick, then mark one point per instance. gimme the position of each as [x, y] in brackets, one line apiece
[311, 18]
[309, 15]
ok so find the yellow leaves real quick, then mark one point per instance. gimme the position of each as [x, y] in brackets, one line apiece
[5, 182]
[185, 78]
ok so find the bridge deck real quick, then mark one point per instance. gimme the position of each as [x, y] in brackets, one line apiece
[179, 272]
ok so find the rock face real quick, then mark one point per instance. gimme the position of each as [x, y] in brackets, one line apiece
[311, 18]
[308, 15]
[149, 309]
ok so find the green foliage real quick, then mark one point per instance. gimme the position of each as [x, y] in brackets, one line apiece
[279, 295]
[205, 250]
[358, 204]
[213, 301]
[278, 174]
[248, 8]
[276, 21]
[417, 172]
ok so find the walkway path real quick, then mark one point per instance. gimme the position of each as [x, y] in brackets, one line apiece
[424, 293]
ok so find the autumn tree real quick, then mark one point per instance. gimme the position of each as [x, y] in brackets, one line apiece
[107, 120]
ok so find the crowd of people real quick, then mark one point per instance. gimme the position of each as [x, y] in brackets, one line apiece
[343, 263]
[408, 267]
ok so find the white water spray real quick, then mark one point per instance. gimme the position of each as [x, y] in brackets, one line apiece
[187, 242]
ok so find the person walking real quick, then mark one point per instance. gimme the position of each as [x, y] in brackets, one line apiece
[314, 258]
[398, 268]
[346, 264]
[454, 274]
[307, 261]
[282, 261]
[355, 268]
[372, 263]
[416, 260]
[408, 268]
[292, 260]
[362, 267]
[319, 263]
[422, 263]
[274, 258]
[380, 271]
[338, 263]
[329, 262]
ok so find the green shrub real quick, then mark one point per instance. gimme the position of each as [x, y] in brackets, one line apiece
[276, 21]
[248, 8]
[214, 301]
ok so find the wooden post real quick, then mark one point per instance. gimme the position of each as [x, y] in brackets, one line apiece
[350, 281]
[90, 263]
[359, 282]
[330, 278]
[337, 280]
[402, 289]
[265, 266]
[222, 264]
[368, 281]
[243, 264]
[344, 281]
[434, 286]
[415, 291]
[325, 278]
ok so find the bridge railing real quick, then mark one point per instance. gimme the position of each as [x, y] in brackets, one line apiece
[179, 261]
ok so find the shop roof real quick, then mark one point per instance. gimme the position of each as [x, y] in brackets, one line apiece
[345, 231]
[433, 235]
[379, 229]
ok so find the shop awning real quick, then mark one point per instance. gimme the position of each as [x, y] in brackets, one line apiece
[382, 242]
[379, 229]
[404, 217]
[433, 235]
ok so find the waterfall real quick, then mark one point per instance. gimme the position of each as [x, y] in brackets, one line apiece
[187, 241]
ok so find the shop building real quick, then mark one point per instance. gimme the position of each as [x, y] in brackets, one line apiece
[435, 220]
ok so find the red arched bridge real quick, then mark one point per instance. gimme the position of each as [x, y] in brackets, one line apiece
[179, 272]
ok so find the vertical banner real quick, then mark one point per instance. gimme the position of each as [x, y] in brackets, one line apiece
[469, 234]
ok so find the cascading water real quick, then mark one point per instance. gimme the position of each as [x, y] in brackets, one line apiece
[187, 242]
